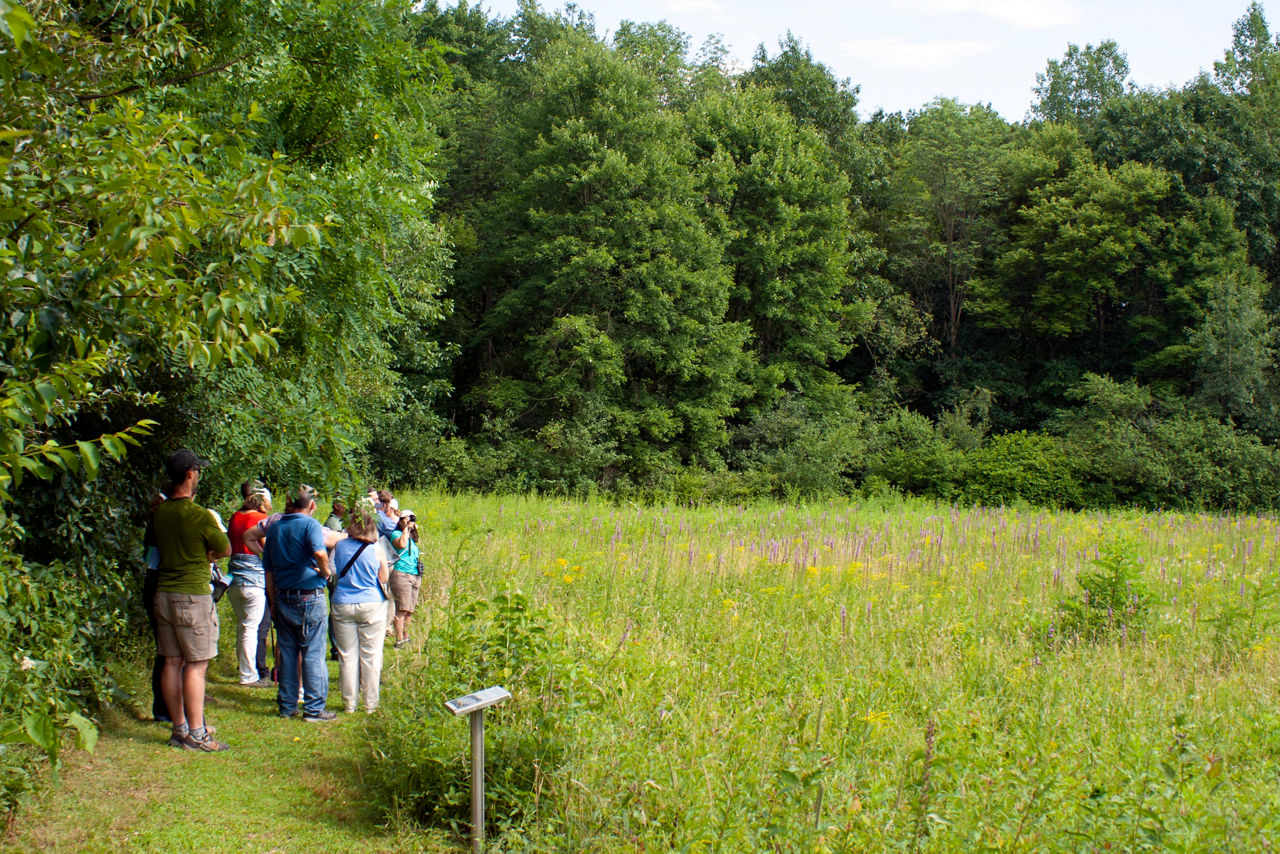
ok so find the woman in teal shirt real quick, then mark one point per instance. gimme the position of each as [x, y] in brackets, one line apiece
[406, 574]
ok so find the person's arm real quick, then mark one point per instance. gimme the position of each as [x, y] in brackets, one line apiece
[384, 571]
[316, 538]
[253, 539]
[332, 537]
[218, 545]
[401, 540]
[322, 564]
[271, 588]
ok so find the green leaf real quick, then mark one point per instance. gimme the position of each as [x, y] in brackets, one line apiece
[86, 731]
[89, 454]
[42, 731]
[17, 21]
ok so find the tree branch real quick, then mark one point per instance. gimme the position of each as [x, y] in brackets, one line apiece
[172, 81]
[17, 228]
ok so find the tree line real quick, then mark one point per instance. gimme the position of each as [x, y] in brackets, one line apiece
[672, 276]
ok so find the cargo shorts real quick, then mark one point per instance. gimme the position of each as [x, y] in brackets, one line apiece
[186, 626]
[404, 587]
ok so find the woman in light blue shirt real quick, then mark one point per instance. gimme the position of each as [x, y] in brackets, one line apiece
[359, 608]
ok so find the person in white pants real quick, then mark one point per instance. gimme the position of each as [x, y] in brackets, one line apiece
[360, 608]
[247, 592]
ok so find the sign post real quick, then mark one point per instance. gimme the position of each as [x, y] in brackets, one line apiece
[473, 706]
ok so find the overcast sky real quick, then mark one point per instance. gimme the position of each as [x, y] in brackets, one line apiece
[904, 53]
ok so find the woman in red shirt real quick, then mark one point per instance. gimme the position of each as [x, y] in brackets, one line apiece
[248, 592]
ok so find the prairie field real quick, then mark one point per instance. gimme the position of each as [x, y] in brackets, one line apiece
[844, 677]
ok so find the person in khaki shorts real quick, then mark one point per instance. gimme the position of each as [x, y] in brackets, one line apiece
[406, 578]
[188, 539]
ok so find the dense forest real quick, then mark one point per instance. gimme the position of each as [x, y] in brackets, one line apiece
[385, 242]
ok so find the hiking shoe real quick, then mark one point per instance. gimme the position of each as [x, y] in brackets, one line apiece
[208, 744]
[261, 683]
[187, 742]
[401, 644]
[320, 717]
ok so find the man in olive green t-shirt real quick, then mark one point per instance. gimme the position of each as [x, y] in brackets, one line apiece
[188, 540]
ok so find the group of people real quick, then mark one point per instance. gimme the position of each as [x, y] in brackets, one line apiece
[354, 580]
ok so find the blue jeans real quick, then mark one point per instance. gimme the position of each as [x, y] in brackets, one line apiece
[300, 626]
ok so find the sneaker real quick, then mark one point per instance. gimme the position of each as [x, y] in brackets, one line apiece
[261, 683]
[179, 740]
[400, 644]
[207, 744]
[320, 717]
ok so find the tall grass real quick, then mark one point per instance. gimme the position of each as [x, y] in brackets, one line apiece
[850, 677]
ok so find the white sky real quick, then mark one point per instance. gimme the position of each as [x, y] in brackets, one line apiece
[904, 53]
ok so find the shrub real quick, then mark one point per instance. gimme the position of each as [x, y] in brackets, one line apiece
[423, 769]
[56, 627]
[1113, 598]
[907, 451]
[1021, 466]
[796, 449]
[1135, 449]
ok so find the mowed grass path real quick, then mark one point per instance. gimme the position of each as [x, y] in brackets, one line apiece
[284, 785]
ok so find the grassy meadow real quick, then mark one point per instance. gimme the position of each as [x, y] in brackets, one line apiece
[895, 676]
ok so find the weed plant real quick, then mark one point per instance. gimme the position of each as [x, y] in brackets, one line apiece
[844, 677]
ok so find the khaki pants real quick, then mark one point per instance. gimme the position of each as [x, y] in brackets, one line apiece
[358, 632]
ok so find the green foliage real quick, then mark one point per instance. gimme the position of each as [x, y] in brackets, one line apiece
[1237, 353]
[780, 200]
[56, 626]
[174, 273]
[1133, 450]
[422, 763]
[815, 97]
[1039, 470]
[1078, 86]
[604, 321]
[1114, 599]
[1006, 469]
[1240, 623]
[948, 176]
[801, 450]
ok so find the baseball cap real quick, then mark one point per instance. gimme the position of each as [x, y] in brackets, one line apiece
[182, 461]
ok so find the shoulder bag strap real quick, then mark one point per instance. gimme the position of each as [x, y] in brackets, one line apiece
[363, 546]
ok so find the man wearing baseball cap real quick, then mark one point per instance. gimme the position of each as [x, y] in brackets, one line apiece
[188, 539]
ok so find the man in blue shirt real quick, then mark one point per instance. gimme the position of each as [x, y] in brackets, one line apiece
[297, 567]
